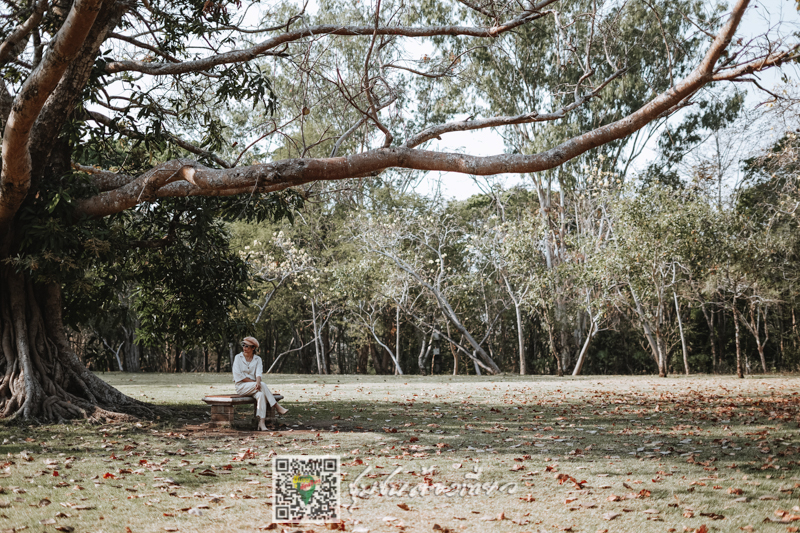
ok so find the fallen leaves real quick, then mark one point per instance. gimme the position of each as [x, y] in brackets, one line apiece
[611, 515]
[784, 517]
[563, 478]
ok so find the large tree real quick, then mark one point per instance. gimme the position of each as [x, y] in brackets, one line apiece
[114, 105]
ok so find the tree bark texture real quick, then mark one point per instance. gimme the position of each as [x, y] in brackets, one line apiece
[41, 377]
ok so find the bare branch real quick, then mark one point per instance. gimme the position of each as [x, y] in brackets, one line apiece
[756, 65]
[264, 48]
[492, 122]
[145, 46]
[186, 145]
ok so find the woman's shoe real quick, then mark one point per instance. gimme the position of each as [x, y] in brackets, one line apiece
[281, 410]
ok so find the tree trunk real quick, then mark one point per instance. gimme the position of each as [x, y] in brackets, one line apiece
[363, 359]
[523, 367]
[42, 378]
[662, 353]
[760, 344]
[554, 350]
[739, 371]
[709, 316]
[683, 339]
[326, 346]
[584, 350]
[422, 358]
[376, 360]
[320, 364]
[397, 341]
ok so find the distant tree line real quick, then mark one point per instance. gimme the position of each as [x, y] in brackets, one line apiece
[581, 272]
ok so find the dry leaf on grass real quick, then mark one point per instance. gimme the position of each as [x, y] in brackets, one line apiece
[611, 515]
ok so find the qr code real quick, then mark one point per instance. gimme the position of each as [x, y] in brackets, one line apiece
[305, 488]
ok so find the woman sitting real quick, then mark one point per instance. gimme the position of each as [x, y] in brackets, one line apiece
[247, 376]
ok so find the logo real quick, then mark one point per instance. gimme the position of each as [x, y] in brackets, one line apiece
[305, 485]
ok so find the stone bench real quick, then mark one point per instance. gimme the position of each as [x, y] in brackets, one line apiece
[223, 407]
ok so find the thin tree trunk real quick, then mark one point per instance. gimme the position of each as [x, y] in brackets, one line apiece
[554, 350]
[424, 354]
[477, 368]
[453, 350]
[320, 364]
[739, 371]
[523, 367]
[584, 350]
[709, 316]
[397, 341]
[683, 339]
[760, 344]
[780, 331]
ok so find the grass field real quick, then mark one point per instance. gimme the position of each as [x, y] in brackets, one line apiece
[582, 454]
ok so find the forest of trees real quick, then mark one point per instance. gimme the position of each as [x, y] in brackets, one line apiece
[179, 173]
[674, 269]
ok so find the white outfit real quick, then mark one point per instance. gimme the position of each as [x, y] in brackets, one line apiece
[243, 370]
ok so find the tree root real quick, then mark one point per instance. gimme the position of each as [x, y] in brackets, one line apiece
[42, 379]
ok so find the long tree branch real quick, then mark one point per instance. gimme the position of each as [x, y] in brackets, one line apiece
[264, 48]
[290, 172]
[15, 177]
[493, 122]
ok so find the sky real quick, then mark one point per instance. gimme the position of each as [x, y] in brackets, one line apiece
[775, 16]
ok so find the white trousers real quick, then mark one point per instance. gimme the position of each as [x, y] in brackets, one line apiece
[263, 396]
